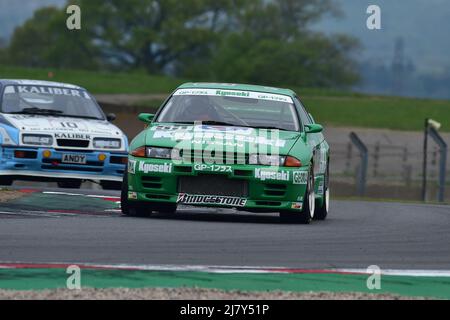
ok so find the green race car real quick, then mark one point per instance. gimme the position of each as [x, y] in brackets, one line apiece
[251, 148]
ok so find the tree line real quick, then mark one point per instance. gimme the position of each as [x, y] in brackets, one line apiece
[253, 41]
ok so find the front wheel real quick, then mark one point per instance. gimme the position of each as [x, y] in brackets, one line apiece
[6, 181]
[128, 207]
[307, 213]
[69, 184]
[111, 185]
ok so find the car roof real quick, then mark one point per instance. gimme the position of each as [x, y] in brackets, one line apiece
[236, 86]
[26, 82]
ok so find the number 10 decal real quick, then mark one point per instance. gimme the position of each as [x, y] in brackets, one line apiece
[72, 125]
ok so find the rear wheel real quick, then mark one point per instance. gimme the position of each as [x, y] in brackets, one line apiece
[6, 181]
[306, 215]
[321, 212]
[70, 184]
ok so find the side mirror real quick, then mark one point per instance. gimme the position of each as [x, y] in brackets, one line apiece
[313, 128]
[111, 117]
[146, 117]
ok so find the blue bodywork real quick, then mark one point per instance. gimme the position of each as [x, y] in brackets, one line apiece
[101, 165]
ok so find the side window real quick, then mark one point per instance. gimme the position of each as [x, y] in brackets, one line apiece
[302, 112]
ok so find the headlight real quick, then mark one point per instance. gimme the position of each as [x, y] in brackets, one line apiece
[159, 153]
[104, 143]
[37, 139]
[266, 160]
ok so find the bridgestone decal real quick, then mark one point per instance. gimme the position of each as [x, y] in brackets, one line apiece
[185, 198]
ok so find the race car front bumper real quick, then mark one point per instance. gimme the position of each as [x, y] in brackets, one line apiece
[244, 187]
[45, 164]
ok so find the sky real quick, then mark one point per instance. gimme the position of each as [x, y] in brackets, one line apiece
[424, 26]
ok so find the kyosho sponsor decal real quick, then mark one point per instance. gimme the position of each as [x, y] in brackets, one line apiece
[185, 198]
[231, 93]
[155, 168]
[264, 174]
[300, 177]
[234, 93]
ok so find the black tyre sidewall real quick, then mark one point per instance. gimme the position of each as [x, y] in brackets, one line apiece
[75, 184]
[321, 212]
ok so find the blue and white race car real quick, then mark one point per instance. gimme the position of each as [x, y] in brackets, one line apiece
[57, 132]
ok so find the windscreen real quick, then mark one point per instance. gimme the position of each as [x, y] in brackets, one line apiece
[48, 100]
[230, 107]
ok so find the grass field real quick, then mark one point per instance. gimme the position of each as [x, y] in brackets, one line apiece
[329, 107]
[97, 82]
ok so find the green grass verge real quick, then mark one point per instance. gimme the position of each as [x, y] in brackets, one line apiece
[38, 279]
[378, 112]
[329, 107]
[98, 82]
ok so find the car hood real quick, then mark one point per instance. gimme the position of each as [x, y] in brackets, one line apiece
[50, 125]
[207, 135]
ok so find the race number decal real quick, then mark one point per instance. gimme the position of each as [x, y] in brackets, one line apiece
[300, 177]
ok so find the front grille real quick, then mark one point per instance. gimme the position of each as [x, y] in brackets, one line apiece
[72, 143]
[214, 185]
[150, 182]
[277, 190]
[118, 160]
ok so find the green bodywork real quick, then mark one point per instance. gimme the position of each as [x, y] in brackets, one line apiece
[161, 175]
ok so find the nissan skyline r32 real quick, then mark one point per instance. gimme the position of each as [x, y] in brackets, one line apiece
[250, 148]
[57, 132]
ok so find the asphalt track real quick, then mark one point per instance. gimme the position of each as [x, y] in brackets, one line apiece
[356, 235]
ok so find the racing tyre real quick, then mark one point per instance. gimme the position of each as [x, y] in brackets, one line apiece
[128, 208]
[165, 209]
[111, 185]
[321, 211]
[69, 184]
[6, 181]
[309, 201]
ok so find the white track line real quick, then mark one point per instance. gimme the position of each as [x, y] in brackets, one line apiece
[398, 272]
[80, 195]
[236, 269]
